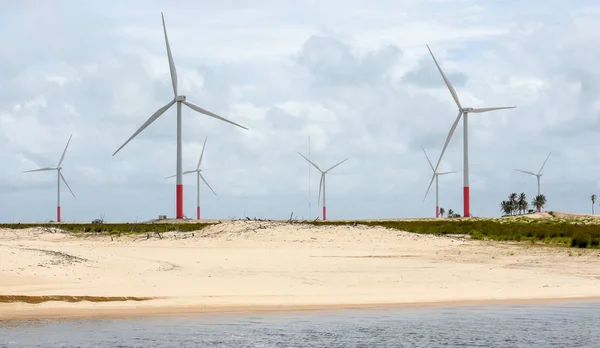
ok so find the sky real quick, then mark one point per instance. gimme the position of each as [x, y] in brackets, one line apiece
[354, 76]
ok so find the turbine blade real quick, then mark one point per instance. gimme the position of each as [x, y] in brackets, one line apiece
[444, 173]
[431, 165]
[64, 152]
[309, 161]
[172, 176]
[206, 182]
[208, 113]
[448, 84]
[65, 181]
[429, 187]
[524, 171]
[443, 150]
[147, 123]
[39, 170]
[479, 110]
[448, 138]
[337, 164]
[202, 153]
[540, 172]
[320, 187]
[171, 62]
[189, 172]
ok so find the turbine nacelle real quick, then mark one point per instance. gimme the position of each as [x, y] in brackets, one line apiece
[180, 98]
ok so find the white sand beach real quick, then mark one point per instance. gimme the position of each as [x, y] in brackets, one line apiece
[253, 265]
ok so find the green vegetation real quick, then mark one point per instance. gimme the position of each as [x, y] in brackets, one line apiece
[108, 228]
[558, 232]
[574, 232]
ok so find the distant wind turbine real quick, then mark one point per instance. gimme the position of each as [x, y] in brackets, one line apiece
[60, 177]
[538, 175]
[322, 182]
[198, 177]
[179, 99]
[436, 175]
[462, 112]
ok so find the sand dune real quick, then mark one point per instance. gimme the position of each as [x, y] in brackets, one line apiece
[270, 265]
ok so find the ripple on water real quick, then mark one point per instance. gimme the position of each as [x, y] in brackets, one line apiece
[564, 325]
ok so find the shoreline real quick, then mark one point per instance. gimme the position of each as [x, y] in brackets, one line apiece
[18, 313]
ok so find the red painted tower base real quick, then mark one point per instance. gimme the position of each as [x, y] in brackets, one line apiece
[437, 211]
[198, 212]
[539, 209]
[179, 201]
[324, 213]
[58, 214]
[467, 201]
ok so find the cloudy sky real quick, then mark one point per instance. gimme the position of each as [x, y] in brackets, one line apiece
[355, 76]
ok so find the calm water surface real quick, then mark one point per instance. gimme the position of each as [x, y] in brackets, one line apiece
[562, 325]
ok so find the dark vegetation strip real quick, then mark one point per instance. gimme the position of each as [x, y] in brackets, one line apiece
[574, 234]
[63, 298]
[114, 228]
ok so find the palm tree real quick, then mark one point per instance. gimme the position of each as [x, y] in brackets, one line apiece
[594, 197]
[513, 199]
[506, 207]
[450, 213]
[522, 203]
[442, 211]
[539, 201]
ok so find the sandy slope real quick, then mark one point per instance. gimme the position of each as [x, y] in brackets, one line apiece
[249, 265]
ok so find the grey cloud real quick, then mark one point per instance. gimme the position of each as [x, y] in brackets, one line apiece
[279, 118]
[331, 61]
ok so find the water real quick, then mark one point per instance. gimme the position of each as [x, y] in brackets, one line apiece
[564, 325]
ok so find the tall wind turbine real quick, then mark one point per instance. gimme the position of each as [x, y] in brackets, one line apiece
[60, 177]
[462, 112]
[179, 99]
[322, 182]
[198, 177]
[538, 175]
[436, 175]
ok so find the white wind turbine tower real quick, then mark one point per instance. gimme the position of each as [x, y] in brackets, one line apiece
[538, 175]
[179, 99]
[464, 113]
[198, 177]
[436, 175]
[60, 177]
[322, 182]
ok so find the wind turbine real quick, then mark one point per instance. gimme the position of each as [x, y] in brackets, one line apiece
[198, 177]
[322, 182]
[462, 112]
[538, 175]
[60, 176]
[179, 99]
[436, 175]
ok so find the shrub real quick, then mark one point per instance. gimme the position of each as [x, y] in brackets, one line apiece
[581, 240]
